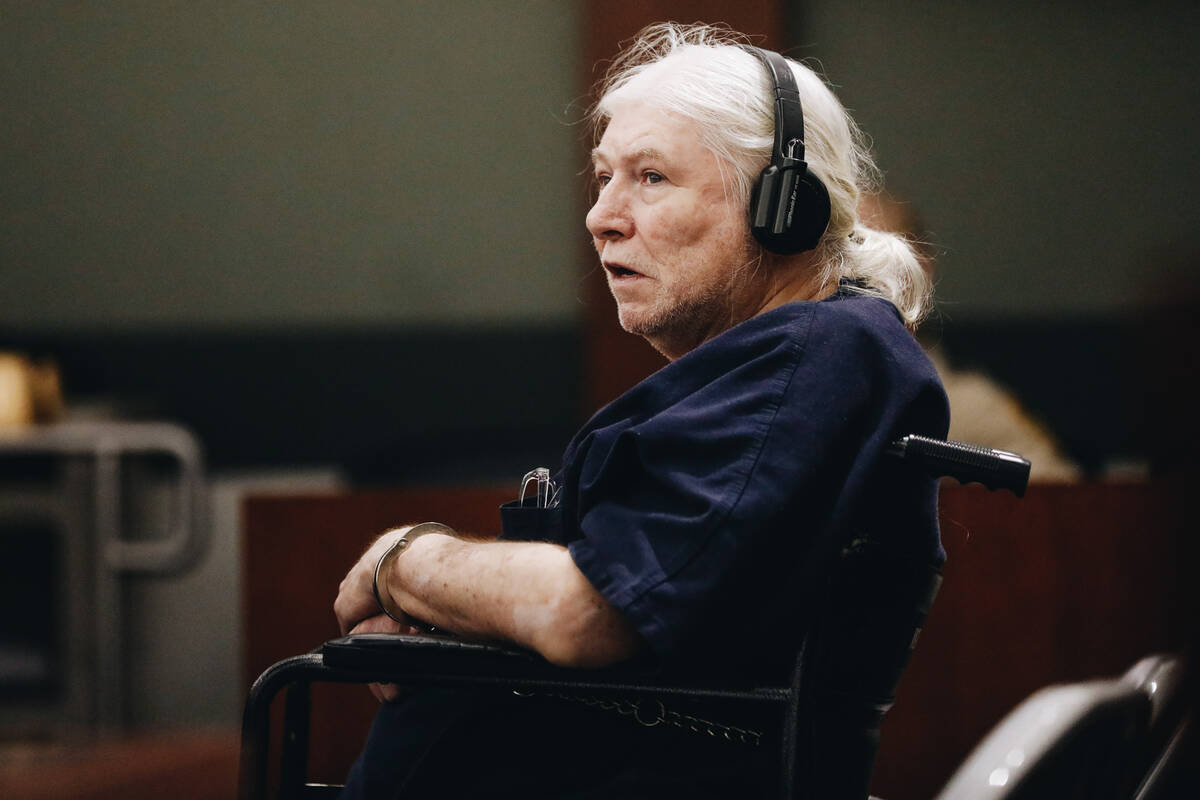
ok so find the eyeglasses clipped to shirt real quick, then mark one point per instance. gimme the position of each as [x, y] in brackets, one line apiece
[547, 493]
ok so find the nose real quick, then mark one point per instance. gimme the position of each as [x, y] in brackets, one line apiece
[609, 217]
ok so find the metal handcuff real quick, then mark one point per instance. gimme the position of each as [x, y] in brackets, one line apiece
[384, 563]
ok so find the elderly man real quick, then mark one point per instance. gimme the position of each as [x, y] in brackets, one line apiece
[727, 181]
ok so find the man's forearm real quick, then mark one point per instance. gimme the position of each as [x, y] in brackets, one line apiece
[529, 593]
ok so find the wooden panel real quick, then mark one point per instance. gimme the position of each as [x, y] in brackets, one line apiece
[182, 765]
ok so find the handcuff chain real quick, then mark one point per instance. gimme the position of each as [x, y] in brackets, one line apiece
[631, 708]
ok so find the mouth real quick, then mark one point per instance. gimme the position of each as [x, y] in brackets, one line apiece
[619, 271]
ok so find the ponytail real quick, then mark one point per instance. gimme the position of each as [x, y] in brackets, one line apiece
[886, 265]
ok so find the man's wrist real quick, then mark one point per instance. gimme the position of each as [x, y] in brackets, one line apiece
[383, 567]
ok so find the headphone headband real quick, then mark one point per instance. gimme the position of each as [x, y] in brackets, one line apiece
[789, 207]
[789, 113]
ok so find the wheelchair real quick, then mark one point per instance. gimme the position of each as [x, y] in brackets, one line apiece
[866, 618]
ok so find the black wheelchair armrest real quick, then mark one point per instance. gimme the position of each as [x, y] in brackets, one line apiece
[435, 660]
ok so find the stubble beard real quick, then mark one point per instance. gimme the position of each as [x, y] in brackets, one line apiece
[676, 325]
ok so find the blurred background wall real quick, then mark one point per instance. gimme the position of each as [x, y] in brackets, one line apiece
[312, 231]
[288, 165]
[1045, 151]
[1045, 147]
[317, 232]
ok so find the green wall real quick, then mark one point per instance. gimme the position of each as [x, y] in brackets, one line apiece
[384, 164]
[288, 164]
[1049, 147]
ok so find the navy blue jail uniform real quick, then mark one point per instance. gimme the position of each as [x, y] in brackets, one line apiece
[692, 503]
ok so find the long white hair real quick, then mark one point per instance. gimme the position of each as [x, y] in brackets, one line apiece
[702, 73]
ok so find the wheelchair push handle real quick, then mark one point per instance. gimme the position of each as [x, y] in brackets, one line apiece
[995, 469]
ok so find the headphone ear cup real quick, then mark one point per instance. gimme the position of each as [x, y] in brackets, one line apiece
[789, 209]
[811, 215]
[763, 201]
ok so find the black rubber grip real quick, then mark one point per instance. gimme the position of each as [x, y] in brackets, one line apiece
[995, 469]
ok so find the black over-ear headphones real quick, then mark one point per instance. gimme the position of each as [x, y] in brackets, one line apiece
[789, 206]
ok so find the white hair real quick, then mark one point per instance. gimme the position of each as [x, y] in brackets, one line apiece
[703, 73]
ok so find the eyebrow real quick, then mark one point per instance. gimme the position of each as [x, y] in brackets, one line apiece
[651, 153]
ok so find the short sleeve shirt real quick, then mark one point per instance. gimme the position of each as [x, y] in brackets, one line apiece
[693, 501]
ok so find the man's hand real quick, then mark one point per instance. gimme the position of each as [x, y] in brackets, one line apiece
[358, 611]
[356, 594]
[382, 623]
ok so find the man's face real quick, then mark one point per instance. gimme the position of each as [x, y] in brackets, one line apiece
[676, 250]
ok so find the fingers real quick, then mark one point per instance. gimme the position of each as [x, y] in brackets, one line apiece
[381, 623]
[390, 692]
[387, 692]
[351, 605]
[351, 608]
[357, 610]
[356, 595]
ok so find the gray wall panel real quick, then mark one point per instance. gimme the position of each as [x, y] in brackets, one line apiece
[299, 163]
